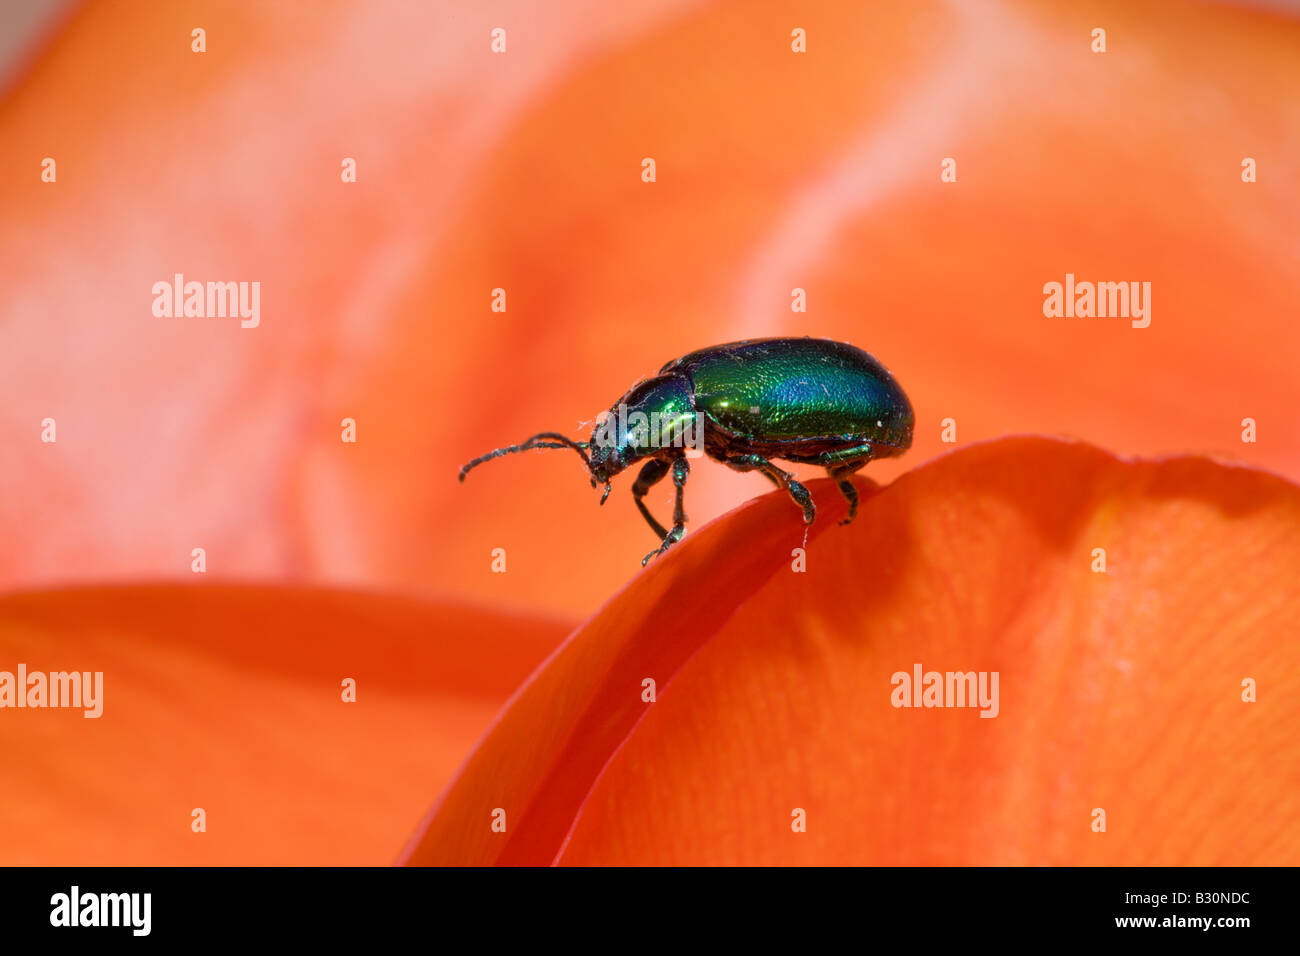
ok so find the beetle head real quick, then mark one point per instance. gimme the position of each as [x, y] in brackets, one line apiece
[639, 425]
[611, 448]
[655, 414]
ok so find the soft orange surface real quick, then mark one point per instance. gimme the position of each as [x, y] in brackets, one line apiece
[775, 170]
[1118, 690]
[229, 699]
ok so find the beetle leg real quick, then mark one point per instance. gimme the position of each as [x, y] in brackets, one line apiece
[841, 475]
[651, 474]
[681, 471]
[783, 479]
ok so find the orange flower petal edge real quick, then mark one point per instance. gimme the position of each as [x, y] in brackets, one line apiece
[1121, 689]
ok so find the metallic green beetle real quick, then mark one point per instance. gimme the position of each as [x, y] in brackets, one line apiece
[810, 401]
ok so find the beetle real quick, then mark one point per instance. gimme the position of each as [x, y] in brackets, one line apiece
[805, 400]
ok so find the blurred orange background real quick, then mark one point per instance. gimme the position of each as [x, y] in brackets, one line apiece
[522, 170]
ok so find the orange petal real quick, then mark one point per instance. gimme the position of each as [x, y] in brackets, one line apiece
[229, 699]
[1119, 690]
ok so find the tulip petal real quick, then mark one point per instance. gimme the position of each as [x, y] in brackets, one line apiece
[1120, 690]
[230, 699]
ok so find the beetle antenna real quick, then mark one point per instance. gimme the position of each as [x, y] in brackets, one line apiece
[542, 440]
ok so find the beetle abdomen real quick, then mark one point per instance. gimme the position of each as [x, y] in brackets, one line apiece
[798, 390]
